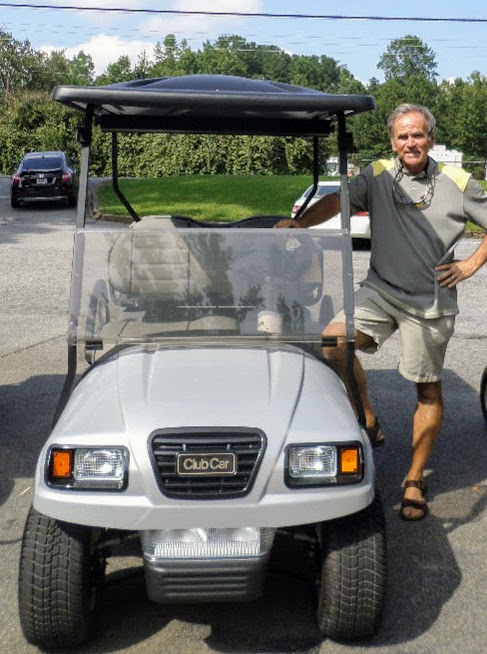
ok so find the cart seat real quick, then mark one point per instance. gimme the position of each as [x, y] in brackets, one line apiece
[157, 286]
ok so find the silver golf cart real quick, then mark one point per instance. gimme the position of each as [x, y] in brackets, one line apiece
[198, 416]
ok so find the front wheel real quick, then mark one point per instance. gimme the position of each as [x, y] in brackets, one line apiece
[483, 394]
[353, 574]
[60, 577]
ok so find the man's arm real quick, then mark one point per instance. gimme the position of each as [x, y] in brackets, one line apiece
[457, 271]
[326, 207]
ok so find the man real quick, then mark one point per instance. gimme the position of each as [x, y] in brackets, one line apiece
[418, 210]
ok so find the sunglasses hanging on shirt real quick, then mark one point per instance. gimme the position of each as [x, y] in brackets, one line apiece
[400, 196]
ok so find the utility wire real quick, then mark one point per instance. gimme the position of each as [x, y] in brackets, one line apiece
[242, 14]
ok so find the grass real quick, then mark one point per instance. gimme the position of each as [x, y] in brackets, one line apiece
[207, 197]
[212, 197]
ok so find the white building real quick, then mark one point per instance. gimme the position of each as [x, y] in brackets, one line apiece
[451, 157]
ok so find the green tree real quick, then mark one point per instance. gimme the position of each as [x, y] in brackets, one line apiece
[408, 57]
[143, 67]
[449, 123]
[267, 62]
[18, 64]
[82, 69]
[32, 121]
[173, 59]
[469, 120]
[120, 71]
[223, 57]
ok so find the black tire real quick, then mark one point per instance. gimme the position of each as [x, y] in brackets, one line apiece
[14, 203]
[353, 575]
[60, 579]
[483, 394]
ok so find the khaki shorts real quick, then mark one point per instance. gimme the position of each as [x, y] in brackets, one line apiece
[423, 340]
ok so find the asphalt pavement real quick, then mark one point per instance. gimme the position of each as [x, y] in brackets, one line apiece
[437, 592]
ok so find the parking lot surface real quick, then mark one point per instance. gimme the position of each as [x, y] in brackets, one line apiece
[437, 595]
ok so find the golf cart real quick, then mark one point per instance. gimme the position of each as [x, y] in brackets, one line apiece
[199, 417]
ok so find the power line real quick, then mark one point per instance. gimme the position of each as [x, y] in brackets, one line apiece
[242, 14]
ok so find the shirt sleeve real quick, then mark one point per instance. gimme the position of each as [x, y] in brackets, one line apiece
[358, 191]
[475, 203]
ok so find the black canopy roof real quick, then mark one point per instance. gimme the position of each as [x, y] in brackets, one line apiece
[214, 104]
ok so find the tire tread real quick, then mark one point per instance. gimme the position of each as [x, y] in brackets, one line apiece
[353, 575]
[55, 582]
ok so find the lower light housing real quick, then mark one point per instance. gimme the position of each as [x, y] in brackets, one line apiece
[204, 543]
[100, 468]
[324, 464]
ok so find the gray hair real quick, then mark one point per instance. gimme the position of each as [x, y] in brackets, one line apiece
[407, 108]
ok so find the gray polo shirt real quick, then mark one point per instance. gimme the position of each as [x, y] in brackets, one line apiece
[409, 240]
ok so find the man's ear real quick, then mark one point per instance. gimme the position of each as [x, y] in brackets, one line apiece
[393, 147]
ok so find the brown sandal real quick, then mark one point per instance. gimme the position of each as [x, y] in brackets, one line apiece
[420, 505]
[375, 434]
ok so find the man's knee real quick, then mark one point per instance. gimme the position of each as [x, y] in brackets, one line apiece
[430, 393]
[334, 333]
[337, 330]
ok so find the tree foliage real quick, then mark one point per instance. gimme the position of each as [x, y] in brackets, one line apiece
[32, 121]
[408, 57]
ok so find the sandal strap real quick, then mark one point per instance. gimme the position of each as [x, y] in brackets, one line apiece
[414, 504]
[413, 483]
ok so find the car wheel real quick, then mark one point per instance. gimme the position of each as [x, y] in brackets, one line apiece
[14, 203]
[483, 394]
[60, 578]
[72, 201]
[353, 574]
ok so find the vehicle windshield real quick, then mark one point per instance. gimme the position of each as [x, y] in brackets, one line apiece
[42, 163]
[323, 190]
[146, 285]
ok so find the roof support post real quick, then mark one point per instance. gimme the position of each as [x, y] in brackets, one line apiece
[85, 133]
[345, 145]
[115, 185]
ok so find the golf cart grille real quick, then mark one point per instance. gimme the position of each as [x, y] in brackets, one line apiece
[216, 464]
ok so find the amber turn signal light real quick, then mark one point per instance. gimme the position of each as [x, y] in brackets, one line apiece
[62, 464]
[349, 460]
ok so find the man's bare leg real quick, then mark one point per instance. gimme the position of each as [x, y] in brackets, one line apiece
[337, 357]
[427, 421]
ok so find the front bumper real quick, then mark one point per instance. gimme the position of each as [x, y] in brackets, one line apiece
[288, 507]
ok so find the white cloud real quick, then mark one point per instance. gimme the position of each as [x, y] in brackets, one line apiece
[105, 50]
[148, 30]
[199, 28]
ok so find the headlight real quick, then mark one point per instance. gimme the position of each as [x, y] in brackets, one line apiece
[89, 468]
[201, 543]
[322, 464]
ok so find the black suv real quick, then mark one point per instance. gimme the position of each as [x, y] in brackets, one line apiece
[44, 176]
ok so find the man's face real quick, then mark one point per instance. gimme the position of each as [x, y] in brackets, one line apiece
[410, 141]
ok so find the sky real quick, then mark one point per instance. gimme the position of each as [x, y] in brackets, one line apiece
[460, 47]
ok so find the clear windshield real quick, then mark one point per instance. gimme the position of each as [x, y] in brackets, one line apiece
[145, 285]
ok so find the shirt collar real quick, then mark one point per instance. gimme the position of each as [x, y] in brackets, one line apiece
[430, 169]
